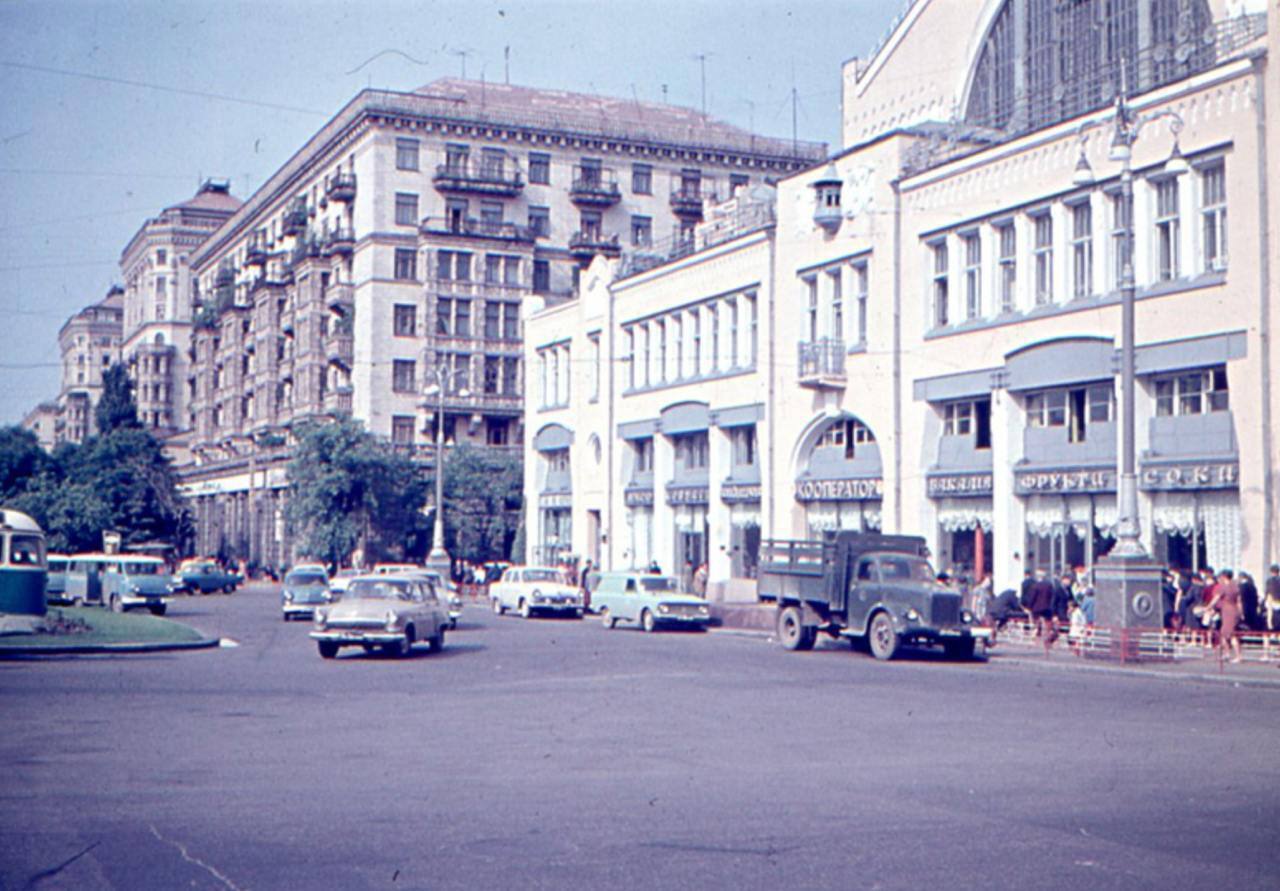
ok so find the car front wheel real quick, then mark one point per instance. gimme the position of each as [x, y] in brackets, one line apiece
[498, 608]
[328, 649]
[158, 610]
[647, 621]
[525, 610]
[436, 644]
[606, 618]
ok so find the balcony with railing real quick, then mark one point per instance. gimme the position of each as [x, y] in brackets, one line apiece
[470, 227]
[340, 297]
[821, 364]
[594, 187]
[340, 186]
[484, 178]
[338, 400]
[295, 218]
[341, 240]
[686, 200]
[586, 243]
[340, 349]
[255, 255]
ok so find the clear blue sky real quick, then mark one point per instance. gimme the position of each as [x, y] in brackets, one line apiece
[114, 110]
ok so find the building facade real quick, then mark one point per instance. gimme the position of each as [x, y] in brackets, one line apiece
[156, 270]
[387, 264]
[942, 298]
[88, 344]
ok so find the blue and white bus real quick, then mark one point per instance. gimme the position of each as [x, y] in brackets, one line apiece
[23, 567]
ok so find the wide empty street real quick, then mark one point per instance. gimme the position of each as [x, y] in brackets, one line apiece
[557, 754]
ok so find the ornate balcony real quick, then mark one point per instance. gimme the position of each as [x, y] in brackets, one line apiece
[338, 401]
[594, 187]
[822, 364]
[340, 186]
[340, 349]
[295, 218]
[686, 201]
[340, 297]
[482, 179]
[473, 228]
[255, 255]
[585, 245]
[340, 241]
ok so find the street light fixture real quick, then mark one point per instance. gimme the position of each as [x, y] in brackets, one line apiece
[440, 375]
[1126, 576]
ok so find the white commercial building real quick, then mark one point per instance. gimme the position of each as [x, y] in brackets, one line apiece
[940, 308]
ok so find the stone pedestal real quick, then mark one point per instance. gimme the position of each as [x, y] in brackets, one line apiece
[1129, 600]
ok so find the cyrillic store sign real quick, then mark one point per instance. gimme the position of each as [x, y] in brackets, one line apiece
[687, 495]
[740, 493]
[1033, 481]
[959, 485]
[556, 499]
[865, 489]
[1178, 477]
[638, 497]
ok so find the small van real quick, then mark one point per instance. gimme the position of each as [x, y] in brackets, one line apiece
[651, 601]
[119, 582]
[56, 589]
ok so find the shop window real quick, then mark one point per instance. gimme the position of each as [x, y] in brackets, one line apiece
[969, 418]
[691, 451]
[642, 452]
[1074, 409]
[744, 445]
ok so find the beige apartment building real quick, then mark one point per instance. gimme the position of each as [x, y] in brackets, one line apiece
[155, 267]
[88, 344]
[942, 305]
[384, 269]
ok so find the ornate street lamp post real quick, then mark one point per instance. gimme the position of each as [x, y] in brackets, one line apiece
[438, 559]
[1127, 580]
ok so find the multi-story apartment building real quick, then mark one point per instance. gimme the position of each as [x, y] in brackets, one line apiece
[42, 421]
[942, 305]
[389, 259]
[89, 343]
[156, 270]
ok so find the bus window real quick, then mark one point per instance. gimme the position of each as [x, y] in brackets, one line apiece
[26, 550]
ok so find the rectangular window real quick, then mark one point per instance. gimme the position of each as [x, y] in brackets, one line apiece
[406, 154]
[444, 265]
[541, 276]
[406, 268]
[594, 340]
[592, 226]
[713, 322]
[492, 375]
[811, 307]
[1008, 267]
[643, 449]
[491, 217]
[1081, 250]
[539, 221]
[753, 313]
[455, 158]
[1043, 252]
[1047, 409]
[405, 320]
[646, 355]
[406, 209]
[462, 266]
[511, 270]
[1166, 229]
[736, 182]
[461, 318]
[744, 445]
[641, 231]
[1213, 217]
[972, 276]
[677, 336]
[642, 179]
[511, 321]
[510, 376]
[860, 299]
[695, 323]
[539, 168]
[629, 358]
[402, 429]
[402, 375]
[1193, 393]
[492, 269]
[660, 334]
[836, 279]
[444, 316]
[691, 451]
[492, 320]
[941, 291]
[957, 419]
[1121, 248]
[1100, 403]
[733, 332]
[493, 163]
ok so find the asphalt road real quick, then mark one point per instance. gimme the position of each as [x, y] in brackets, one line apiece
[556, 754]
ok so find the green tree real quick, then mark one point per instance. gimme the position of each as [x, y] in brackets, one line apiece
[349, 489]
[116, 409]
[483, 492]
[21, 461]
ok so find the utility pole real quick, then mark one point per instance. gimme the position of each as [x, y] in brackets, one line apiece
[702, 62]
[506, 64]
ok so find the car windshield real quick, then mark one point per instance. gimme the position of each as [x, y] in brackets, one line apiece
[306, 578]
[142, 568]
[543, 575]
[379, 589]
[56, 565]
[905, 569]
[659, 583]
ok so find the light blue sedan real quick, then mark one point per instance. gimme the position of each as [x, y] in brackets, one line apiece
[652, 601]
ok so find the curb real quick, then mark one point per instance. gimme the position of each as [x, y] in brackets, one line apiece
[101, 649]
[1170, 675]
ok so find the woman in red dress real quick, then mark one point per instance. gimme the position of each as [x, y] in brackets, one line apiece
[1226, 599]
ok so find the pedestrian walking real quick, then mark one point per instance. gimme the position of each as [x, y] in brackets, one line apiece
[1041, 608]
[1226, 601]
[1271, 602]
[1249, 603]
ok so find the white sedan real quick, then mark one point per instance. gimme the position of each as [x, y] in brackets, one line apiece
[535, 589]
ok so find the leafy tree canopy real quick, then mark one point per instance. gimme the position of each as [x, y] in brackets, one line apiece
[350, 489]
[483, 491]
[21, 461]
[116, 408]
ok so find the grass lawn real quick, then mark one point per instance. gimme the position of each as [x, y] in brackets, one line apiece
[73, 627]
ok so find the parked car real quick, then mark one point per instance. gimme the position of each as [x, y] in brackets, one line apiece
[338, 583]
[391, 612]
[206, 577]
[55, 590]
[119, 582]
[535, 589]
[447, 593]
[305, 587]
[652, 601]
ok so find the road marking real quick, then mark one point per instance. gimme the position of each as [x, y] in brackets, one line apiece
[227, 643]
[182, 849]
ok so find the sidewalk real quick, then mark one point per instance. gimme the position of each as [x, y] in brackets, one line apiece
[758, 620]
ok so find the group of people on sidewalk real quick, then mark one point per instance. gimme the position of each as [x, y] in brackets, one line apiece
[1222, 604]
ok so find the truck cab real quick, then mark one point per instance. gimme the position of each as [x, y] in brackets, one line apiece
[864, 587]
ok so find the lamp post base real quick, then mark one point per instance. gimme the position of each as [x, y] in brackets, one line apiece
[1130, 600]
[438, 560]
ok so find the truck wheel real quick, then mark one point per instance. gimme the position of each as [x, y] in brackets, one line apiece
[883, 638]
[961, 650]
[792, 632]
